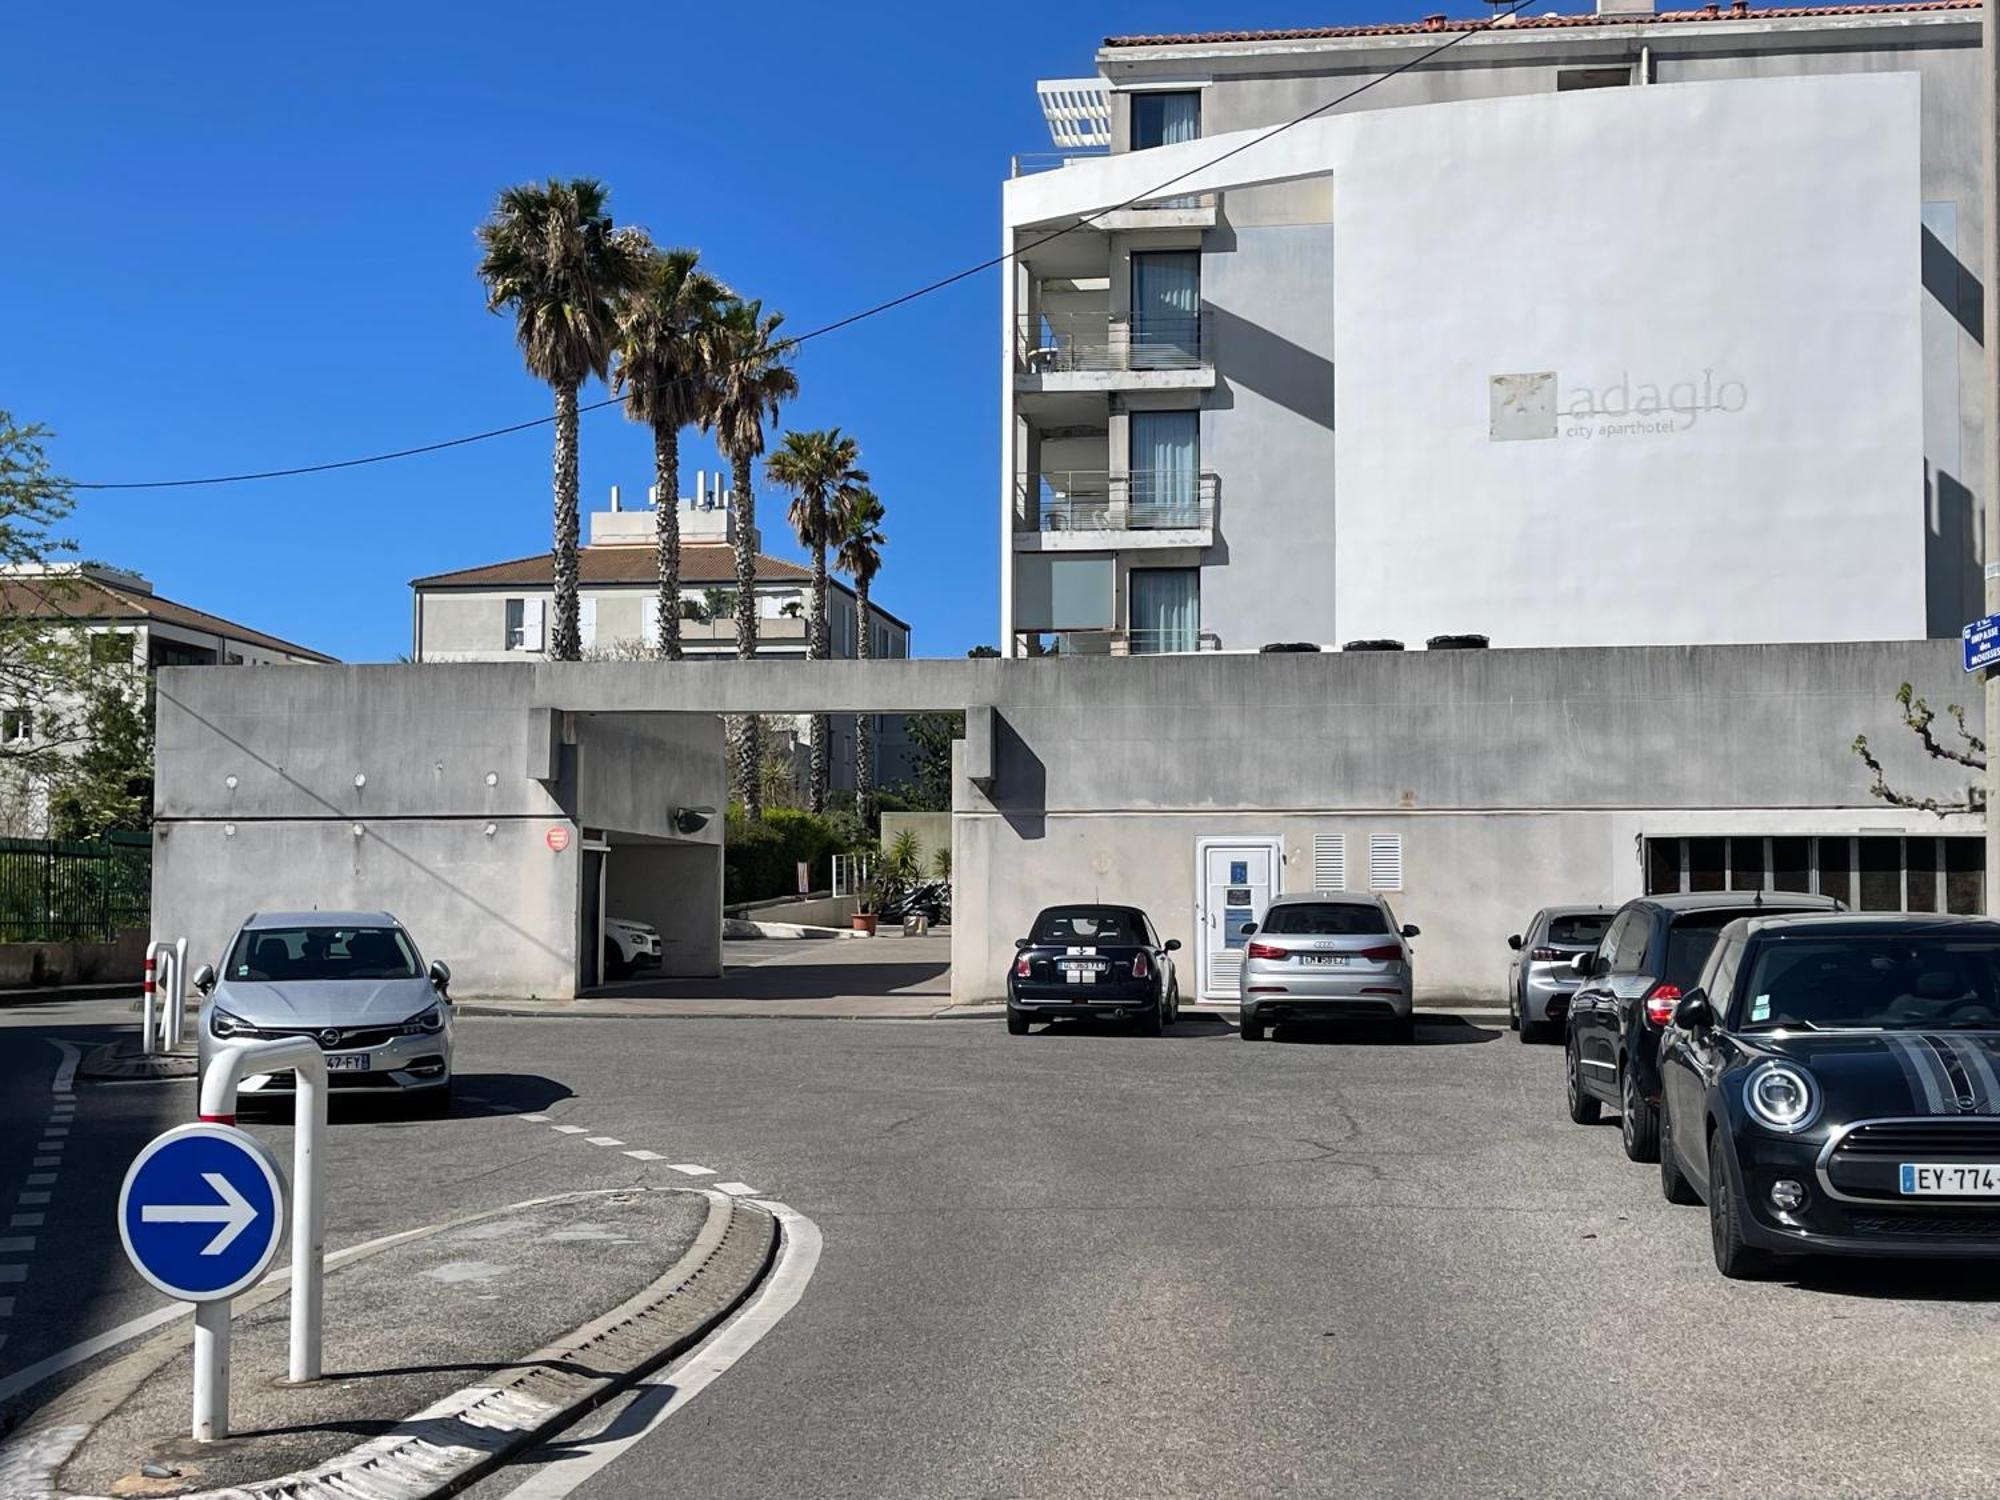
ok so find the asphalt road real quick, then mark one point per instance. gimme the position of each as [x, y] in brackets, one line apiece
[1097, 1264]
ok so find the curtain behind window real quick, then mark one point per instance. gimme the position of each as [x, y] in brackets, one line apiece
[1166, 463]
[1166, 610]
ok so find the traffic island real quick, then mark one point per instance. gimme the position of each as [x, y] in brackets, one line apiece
[445, 1351]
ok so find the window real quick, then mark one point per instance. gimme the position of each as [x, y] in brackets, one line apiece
[1690, 940]
[111, 648]
[1166, 610]
[1165, 453]
[1062, 593]
[1579, 930]
[17, 725]
[1865, 872]
[1568, 79]
[1746, 864]
[1720, 980]
[524, 625]
[1083, 924]
[1166, 309]
[1165, 117]
[1663, 866]
[1965, 876]
[1881, 875]
[1326, 919]
[1836, 869]
[263, 954]
[1618, 940]
[1705, 864]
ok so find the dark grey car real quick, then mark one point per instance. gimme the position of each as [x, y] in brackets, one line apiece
[352, 981]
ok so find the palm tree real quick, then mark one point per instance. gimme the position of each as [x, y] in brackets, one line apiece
[822, 471]
[554, 259]
[859, 542]
[750, 381]
[665, 349]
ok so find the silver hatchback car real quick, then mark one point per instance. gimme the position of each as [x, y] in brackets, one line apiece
[1540, 980]
[353, 982]
[1327, 956]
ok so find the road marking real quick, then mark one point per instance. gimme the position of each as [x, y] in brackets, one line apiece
[645, 1156]
[39, 1179]
[682, 1380]
[604, 1140]
[689, 1169]
[65, 1079]
[26, 1221]
[534, 1119]
[46, 1161]
[13, 1273]
[20, 1244]
[31, 1199]
[740, 1189]
[6, 1307]
[570, 1129]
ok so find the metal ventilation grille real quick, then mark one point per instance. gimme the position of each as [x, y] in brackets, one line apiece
[1225, 972]
[1329, 862]
[1385, 861]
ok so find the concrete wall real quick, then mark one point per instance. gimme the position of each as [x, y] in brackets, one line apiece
[933, 831]
[677, 888]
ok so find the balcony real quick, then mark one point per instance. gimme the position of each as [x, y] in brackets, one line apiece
[1090, 510]
[1118, 642]
[1104, 351]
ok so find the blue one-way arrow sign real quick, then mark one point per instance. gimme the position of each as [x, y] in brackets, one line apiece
[202, 1211]
[1982, 643]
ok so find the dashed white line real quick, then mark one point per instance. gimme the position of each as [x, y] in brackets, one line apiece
[6, 1307]
[20, 1244]
[570, 1129]
[534, 1119]
[645, 1156]
[40, 1179]
[604, 1140]
[740, 1189]
[26, 1221]
[46, 1161]
[65, 1079]
[13, 1273]
[689, 1169]
[31, 1199]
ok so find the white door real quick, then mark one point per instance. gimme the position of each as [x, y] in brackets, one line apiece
[1235, 879]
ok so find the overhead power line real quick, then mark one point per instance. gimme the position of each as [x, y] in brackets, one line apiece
[1159, 189]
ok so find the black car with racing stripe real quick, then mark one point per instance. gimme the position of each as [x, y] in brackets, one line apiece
[1831, 1085]
[1097, 961]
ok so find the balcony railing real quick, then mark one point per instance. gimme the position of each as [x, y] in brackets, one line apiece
[1095, 500]
[1063, 343]
[1115, 642]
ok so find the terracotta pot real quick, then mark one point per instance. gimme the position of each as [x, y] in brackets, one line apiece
[864, 921]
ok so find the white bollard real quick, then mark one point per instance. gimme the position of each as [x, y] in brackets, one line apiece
[147, 1010]
[211, 1371]
[177, 998]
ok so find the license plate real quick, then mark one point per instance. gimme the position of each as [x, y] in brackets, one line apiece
[353, 1062]
[1078, 974]
[1951, 1180]
[1323, 960]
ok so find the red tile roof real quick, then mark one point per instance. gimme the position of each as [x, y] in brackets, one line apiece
[701, 563]
[69, 597]
[1524, 22]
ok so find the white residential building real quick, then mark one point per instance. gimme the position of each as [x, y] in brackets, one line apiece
[1609, 329]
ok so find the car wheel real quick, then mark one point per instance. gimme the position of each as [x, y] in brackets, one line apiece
[1513, 1011]
[1529, 1030]
[1154, 1021]
[1583, 1105]
[1674, 1186]
[1638, 1120]
[1017, 1024]
[1174, 1009]
[1250, 1031]
[1733, 1258]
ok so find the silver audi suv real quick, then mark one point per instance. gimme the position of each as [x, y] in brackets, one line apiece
[354, 982]
[1327, 956]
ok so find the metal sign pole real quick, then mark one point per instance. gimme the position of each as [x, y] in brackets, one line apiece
[211, 1371]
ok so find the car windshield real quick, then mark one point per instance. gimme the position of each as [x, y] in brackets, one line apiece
[280, 953]
[1585, 930]
[1084, 924]
[1325, 919]
[1911, 981]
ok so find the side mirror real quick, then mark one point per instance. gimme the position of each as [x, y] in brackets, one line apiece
[1023, 943]
[1247, 928]
[1514, 942]
[1583, 965]
[1411, 930]
[204, 979]
[440, 973]
[1694, 1013]
[1172, 945]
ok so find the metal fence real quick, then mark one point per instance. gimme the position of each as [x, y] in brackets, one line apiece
[54, 891]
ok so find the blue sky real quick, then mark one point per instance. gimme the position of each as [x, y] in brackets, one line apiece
[241, 237]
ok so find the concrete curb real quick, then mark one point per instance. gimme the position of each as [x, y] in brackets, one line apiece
[123, 989]
[457, 1439]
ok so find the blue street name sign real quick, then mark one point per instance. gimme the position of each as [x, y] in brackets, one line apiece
[202, 1211]
[1982, 643]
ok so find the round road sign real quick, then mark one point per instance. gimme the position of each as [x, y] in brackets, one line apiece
[202, 1211]
[558, 838]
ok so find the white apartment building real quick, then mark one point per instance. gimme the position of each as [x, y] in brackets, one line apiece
[1625, 328]
[502, 611]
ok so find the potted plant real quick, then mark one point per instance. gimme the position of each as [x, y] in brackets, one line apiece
[868, 903]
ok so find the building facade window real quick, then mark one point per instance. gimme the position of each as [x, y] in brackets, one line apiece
[523, 625]
[1866, 872]
[111, 648]
[1165, 610]
[1165, 454]
[1166, 309]
[1165, 117]
[17, 725]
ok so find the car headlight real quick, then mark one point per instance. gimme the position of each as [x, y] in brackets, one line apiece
[427, 1022]
[223, 1025]
[1781, 1097]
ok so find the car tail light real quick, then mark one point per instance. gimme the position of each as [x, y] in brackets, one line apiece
[1660, 1002]
[1388, 953]
[1545, 955]
[1139, 969]
[1022, 968]
[1265, 950]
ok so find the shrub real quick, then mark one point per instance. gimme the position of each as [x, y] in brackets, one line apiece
[760, 860]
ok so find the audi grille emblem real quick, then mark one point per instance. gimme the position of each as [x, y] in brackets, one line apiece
[329, 1038]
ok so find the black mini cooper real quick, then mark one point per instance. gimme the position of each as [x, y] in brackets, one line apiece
[1832, 1086]
[1102, 961]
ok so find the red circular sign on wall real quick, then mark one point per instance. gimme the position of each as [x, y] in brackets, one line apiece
[558, 838]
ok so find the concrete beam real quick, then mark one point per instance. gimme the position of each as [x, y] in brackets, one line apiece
[976, 762]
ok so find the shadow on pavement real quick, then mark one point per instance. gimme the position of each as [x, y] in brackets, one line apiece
[792, 981]
[1894, 1280]
[473, 1094]
[1189, 1028]
[1433, 1030]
